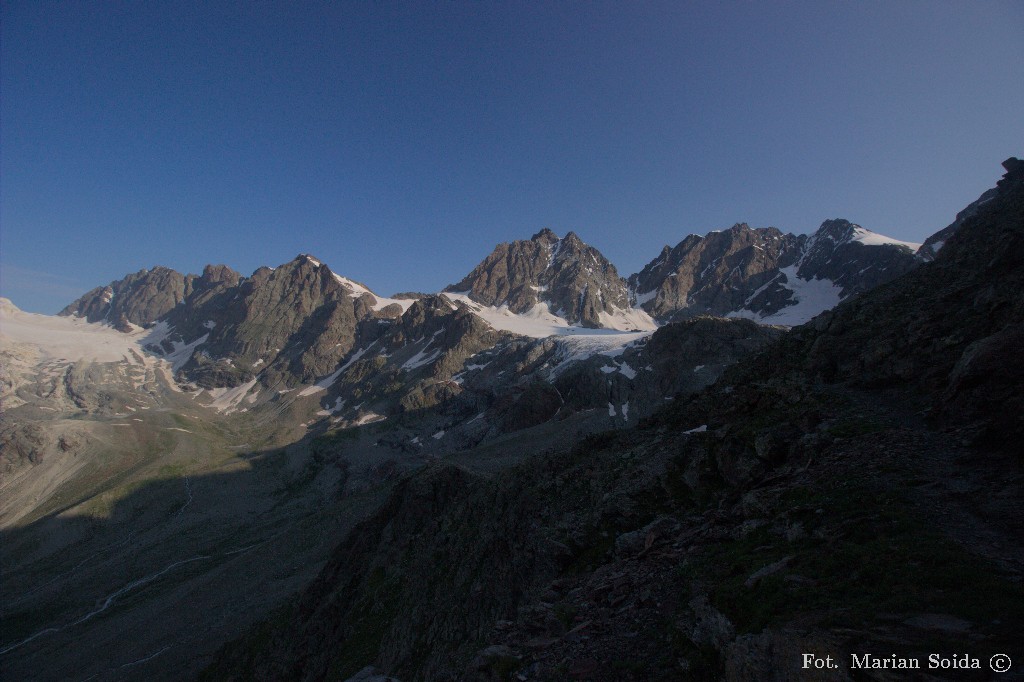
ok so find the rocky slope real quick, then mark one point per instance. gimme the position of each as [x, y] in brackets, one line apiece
[147, 295]
[854, 488]
[933, 244]
[765, 274]
[572, 279]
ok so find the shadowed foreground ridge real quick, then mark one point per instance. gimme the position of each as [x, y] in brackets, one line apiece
[856, 488]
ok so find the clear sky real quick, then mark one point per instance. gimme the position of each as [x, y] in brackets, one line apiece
[399, 142]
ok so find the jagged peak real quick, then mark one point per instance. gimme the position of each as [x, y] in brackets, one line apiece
[213, 273]
[546, 236]
[838, 230]
[841, 231]
[307, 258]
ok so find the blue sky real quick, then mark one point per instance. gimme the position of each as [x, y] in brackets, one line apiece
[399, 142]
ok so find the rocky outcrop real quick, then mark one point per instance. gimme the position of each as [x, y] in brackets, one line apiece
[713, 275]
[573, 279]
[139, 298]
[147, 295]
[758, 272]
[852, 258]
[294, 323]
[407, 367]
[931, 246]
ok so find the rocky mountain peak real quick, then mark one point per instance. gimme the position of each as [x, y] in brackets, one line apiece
[743, 271]
[853, 258]
[715, 274]
[220, 274]
[301, 261]
[545, 236]
[839, 230]
[572, 278]
[572, 239]
[138, 299]
[831, 234]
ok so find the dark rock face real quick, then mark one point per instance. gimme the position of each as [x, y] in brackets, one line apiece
[295, 322]
[139, 298]
[713, 275]
[835, 253]
[408, 365]
[740, 270]
[931, 247]
[574, 279]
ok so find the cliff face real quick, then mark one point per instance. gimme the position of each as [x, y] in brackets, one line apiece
[763, 273]
[715, 274]
[573, 279]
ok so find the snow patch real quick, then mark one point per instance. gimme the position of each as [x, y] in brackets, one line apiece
[181, 352]
[869, 238]
[356, 290]
[369, 418]
[811, 297]
[627, 371]
[577, 347]
[226, 400]
[339, 404]
[645, 297]
[328, 381]
[422, 358]
[633, 319]
[540, 322]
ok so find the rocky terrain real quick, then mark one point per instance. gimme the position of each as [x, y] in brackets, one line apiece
[571, 278]
[854, 487]
[180, 455]
[767, 275]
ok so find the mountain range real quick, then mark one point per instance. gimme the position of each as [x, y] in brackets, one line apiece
[576, 450]
[301, 323]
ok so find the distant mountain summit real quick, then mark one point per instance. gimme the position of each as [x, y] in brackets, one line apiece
[292, 323]
[570, 277]
[147, 295]
[715, 274]
[766, 275]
